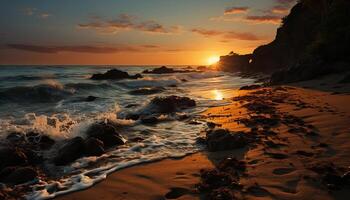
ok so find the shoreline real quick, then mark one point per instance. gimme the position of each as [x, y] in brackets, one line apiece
[323, 110]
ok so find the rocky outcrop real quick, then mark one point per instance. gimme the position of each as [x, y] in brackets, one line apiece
[313, 40]
[171, 104]
[222, 139]
[114, 74]
[166, 70]
[147, 91]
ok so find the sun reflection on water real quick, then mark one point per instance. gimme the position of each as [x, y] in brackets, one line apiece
[218, 95]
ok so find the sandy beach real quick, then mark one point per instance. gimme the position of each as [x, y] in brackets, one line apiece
[284, 163]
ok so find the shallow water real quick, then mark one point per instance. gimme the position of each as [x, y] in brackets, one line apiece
[50, 99]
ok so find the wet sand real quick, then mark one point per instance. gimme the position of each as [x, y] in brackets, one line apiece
[306, 128]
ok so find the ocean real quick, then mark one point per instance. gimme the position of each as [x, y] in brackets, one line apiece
[52, 100]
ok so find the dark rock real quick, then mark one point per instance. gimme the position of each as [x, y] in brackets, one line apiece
[222, 194]
[222, 139]
[213, 179]
[132, 116]
[114, 74]
[12, 157]
[171, 104]
[176, 193]
[94, 147]
[166, 70]
[149, 120]
[250, 87]
[40, 140]
[147, 91]
[232, 165]
[20, 175]
[106, 133]
[90, 98]
[70, 151]
[16, 137]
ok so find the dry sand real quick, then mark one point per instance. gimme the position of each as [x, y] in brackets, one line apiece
[315, 130]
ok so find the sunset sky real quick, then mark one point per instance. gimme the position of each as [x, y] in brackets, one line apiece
[139, 32]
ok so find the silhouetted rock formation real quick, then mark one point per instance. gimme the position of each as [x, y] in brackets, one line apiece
[166, 70]
[313, 40]
[114, 74]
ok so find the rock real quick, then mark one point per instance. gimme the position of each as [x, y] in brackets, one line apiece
[147, 91]
[106, 133]
[166, 70]
[94, 147]
[213, 179]
[222, 139]
[70, 151]
[40, 140]
[176, 193]
[171, 104]
[221, 194]
[149, 120]
[346, 79]
[90, 98]
[114, 74]
[12, 157]
[20, 175]
[250, 87]
[16, 137]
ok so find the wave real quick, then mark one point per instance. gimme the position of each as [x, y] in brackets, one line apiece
[87, 86]
[43, 93]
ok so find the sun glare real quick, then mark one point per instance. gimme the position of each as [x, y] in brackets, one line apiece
[213, 60]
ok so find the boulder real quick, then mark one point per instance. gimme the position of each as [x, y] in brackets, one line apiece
[149, 120]
[171, 104]
[16, 137]
[166, 70]
[147, 91]
[19, 175]
[94, 147]
[40, 140]
[106, 133]
[250, 87]
[114, 74]
[90, 98]
[70, 151]
[222, 139]
[12, 157]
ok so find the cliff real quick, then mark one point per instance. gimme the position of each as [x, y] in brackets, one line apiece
[314, 39]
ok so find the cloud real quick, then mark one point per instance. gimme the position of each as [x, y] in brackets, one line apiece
[206, 32]
[236, 10]
[36, 12]
[227, 35]
[126, 22]
[80, 48]
[274, 19]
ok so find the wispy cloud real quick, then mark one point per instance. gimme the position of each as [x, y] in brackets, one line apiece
[235, 10]
[274, 19]
[36, 13]
[126, 22]
[227, 35]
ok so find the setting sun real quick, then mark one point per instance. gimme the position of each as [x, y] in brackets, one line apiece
[213, 59]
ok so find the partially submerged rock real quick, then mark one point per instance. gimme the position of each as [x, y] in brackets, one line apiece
[250, 87]
[12, 157]
[222, 139]
[106, 133]
[70, 151]
[171, 104]
[166, 70]
[147, 91]
[94, 147]
[18, 175]
[114, 74]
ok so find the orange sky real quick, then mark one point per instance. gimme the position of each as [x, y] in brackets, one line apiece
[129, 33]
